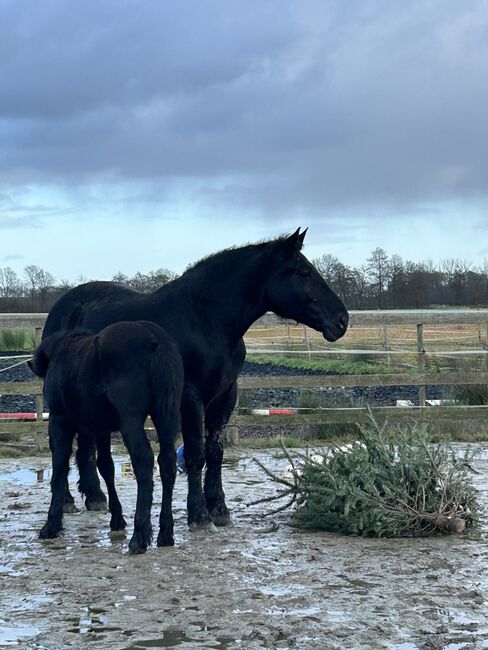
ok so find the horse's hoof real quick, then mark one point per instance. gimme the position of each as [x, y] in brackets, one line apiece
[47, 532]
[136, 549]
[70, 508]
[165, 540]
[96, 506]
[117, 522]
[222, 520]
[208, 526]
[117, 534]
[220, 516]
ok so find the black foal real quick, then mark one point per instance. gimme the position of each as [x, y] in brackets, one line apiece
[111, 381]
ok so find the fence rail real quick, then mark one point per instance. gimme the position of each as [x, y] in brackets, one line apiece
[10, 429]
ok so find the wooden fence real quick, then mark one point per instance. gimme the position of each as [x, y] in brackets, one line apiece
[383, 319]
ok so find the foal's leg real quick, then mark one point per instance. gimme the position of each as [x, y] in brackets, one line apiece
[89, 483]
[216, 418]
[106, 468]
[166, 429]
[142, 457]
[68, 500]
[60, 442]
[192, 431]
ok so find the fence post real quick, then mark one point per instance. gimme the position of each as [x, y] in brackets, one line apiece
[307, 342]
[386, 345]
[232, 429]
[39, 402]
[486, 348]
[421, 360]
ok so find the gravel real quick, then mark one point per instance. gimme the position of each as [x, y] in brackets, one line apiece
[359, 396]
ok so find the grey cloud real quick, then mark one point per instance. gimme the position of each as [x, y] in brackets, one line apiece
[300, 109]
[13, 257]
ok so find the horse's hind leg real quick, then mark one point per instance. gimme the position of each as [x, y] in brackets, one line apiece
[216, 418]
[89, 483]
[60, 442]
[142, 458]
[192, 430]
[106, 468]
[68, 501]
[166, 429]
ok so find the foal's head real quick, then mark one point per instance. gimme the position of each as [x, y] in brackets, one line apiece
[296, 290]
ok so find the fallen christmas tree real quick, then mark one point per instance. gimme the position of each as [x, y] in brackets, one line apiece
[393, 482]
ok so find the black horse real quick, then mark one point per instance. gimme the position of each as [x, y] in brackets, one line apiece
[207, 310]
[111, 381]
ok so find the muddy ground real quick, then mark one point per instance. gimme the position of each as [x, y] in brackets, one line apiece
[257, 584]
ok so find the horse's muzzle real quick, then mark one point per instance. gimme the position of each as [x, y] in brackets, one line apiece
[334, 331]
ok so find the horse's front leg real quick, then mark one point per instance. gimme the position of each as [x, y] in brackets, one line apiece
[89, 483]
[216, 418]
[192, 431]
[60, 442]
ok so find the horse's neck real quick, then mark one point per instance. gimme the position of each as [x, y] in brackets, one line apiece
[236, 301]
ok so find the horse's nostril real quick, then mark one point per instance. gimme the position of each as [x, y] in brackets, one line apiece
[343, 321]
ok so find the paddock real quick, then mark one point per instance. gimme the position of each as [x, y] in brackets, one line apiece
[257, 584]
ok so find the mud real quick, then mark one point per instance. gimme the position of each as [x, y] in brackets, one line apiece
[257, 584]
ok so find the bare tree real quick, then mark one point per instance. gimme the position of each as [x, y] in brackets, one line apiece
[378, 267]
[146, 282]
[10, 285]
[39, 282]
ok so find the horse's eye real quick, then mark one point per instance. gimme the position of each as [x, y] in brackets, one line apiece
[304, 274]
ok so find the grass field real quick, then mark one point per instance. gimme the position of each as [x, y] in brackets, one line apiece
[19, 339]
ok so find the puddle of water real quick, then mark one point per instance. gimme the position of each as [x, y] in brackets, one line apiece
[174, 637]
[290, 590]
[92, 624]
[31, 476]
[27, 476]
[14, 635]
[171, 638]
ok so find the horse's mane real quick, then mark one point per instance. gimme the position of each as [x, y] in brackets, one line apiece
[231, 255]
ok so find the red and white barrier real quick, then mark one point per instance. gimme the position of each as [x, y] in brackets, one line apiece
[274, 411]
[22, 416]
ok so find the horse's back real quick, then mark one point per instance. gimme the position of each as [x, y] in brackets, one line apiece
[71, 310]
[133, 344]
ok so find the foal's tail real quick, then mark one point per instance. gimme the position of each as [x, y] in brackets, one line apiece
[167, 384]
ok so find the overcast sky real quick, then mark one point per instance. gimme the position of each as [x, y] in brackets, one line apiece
[137, 134]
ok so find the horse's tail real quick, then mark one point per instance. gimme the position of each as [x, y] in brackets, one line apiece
[167, 378]
[39, 364]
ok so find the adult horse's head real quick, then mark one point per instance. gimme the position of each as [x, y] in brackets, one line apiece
[295, 289]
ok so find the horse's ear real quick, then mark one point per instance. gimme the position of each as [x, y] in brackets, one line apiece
[301, 237]
[293, 243]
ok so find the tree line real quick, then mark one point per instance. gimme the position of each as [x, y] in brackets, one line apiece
[390, 282]
[382, 282]
[36, 290]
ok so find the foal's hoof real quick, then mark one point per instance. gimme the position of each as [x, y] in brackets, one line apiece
[47, 532]
[70, 508]
[96, 506]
